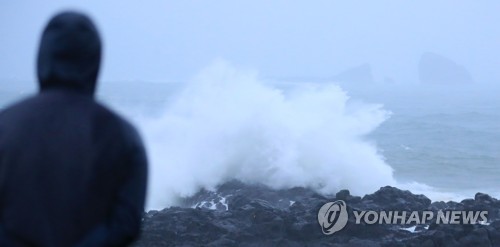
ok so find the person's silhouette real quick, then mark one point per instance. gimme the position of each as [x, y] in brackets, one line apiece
[72, 172]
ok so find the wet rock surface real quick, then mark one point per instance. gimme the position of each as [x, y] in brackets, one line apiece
[237, 214]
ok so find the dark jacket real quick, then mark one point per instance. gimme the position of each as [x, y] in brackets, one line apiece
[72, 172]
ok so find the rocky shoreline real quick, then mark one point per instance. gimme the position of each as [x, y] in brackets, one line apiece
[238, 214]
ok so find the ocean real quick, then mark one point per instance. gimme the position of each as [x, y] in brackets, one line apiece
[227, 123]
[453, 149]
[443, 136]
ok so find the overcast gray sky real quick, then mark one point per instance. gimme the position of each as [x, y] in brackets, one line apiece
[172, 40]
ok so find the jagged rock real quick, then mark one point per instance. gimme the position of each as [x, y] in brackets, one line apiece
[391, 198]
[237, 214]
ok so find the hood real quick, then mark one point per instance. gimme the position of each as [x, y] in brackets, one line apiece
[69, 55]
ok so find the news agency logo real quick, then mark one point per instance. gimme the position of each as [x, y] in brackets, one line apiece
[333, 217]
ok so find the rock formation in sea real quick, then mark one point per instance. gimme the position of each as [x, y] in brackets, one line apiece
[437, 69]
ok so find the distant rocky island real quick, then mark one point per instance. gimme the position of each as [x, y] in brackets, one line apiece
[438, 69]
[238, 214]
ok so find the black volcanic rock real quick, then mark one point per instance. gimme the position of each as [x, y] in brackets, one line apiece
[391, 198]
[238, 214]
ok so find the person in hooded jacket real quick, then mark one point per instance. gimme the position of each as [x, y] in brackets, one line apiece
[72, 172]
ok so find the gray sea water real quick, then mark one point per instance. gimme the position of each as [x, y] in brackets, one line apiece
[456, 152]
[447, 137]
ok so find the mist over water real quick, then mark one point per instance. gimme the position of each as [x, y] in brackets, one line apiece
[227, 124]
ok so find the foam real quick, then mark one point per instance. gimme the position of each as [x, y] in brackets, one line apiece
[227, 124]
